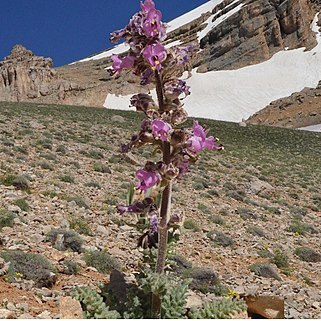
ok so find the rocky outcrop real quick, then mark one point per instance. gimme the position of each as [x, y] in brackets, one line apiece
[24, 75]
[257, 31]
[301, 109]
[30, 78]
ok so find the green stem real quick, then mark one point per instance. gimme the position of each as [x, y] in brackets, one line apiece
[166, 196]
[165, 206]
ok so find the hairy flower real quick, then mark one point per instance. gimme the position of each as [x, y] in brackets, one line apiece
[117, 35]
[142, 102]
[122, 63]
[147, 179]
[175, 88]
[161, 129]
[155, 54]
[147, 6]
[137, 207]
[198, 141]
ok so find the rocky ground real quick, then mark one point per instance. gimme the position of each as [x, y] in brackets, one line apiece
[301, 109]
[258, 201]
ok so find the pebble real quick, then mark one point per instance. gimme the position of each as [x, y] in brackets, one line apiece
[23, 306]
[6, 314]
[11, 306]
[25, 316]
[44, 315]
[14, 208]
[102, 230]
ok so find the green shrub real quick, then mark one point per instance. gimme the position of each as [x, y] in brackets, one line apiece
[67, 178]
[64, 240]
[217, 219]
[265, 270]
[191, 225]
[80, 225]
[101, 168]
[93, 304]
[29, 266]
[71, 267]
[301, 228]
[18, 181]
[255, 230]
[280, 259]
[79, 201]
[46, 165]
[102, 261]
[307, 254]
[220, 239]
[23, 204]
[6, 218]
[221, 309]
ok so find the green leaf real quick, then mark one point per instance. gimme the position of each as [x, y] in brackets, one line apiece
[130, 194]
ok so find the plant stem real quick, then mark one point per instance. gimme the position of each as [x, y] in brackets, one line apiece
[165, 206]
[166, 197]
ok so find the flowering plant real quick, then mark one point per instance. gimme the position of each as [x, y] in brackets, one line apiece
[163, 67]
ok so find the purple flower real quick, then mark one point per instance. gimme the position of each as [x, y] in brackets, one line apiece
[153, 222]
[117, 35]
[182, 54]
[152, 25]
[161, 129]
[121, 63]
[147, 179]
[142, 102]
[155, 54]
[147, 6]
[199, 141]
[137, 207]
[175, 88]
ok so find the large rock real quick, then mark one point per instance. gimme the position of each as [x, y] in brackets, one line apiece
[70, 308]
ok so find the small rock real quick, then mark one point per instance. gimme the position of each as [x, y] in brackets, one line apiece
[293, 314]
[193, 300]
[14, 208]
[11, 306]
[65, 223]
[23, 306]
[102, 230]
[252, 290]
[7, 314]
[118, 119]
[44, 315]
[25, 316]
[70, 308]
[316, 305]
[269, 307]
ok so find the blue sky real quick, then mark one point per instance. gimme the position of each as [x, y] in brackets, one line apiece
[68, 30]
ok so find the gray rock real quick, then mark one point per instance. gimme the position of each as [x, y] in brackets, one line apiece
[14, 209]
[44, 315]
[7, 314]
[11, 306]
[102, 230]
[70, 308]
[118, 119]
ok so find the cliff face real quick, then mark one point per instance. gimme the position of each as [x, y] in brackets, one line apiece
[256, 32]
[231, 35]
[24, 76]
[27, 77]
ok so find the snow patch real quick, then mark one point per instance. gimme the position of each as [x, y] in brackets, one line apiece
[313, 128]
[235, 94]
